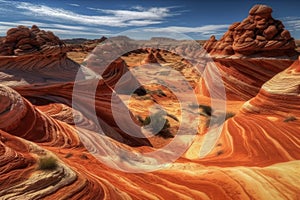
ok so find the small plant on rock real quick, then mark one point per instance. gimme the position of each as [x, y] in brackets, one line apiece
[155, 121]
[219, 119]
[47, 163]
[290, 119]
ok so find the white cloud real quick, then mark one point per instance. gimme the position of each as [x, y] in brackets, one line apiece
[152, 13]
[204, 30]
[143, 22]
[106, 17]
[292, 23]
[74, 4]
[140, 8]
[58, 29]
[87, 32]
[24, 23]
[63, 22]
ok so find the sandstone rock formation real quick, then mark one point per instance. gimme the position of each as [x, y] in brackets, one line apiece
[43, 58]
[41, 68]
[270, 110]
[150, 58]
[112, 68]
[22, 40]
[241, 78]
[259, 33]
[256, 156]
[158, 56]
[250, 53]
[210, 44]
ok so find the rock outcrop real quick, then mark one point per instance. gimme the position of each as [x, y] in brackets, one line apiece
[112, 68]
[30, 56]
[250, 53]
[241, 78]
[23, 40]
[53, 75]
[158, 56]
[256, 155]
[259, 34]
[149, 59]
[210, 44]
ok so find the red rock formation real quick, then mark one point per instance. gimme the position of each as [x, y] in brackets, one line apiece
[112, 68]
[23, 120]
[242, 78]
[261, 133]
[22, 40]
[149, 59]
[258, 34]
[114, 72]
[40, 63]
[210, 44]
[40, 67]
[261, 47]
[256, 156]
[158, 56]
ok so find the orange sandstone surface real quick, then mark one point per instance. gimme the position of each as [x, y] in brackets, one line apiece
[253, 154]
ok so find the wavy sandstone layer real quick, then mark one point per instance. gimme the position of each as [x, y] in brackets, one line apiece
[247, 160]
[105, 61]
[250, 53]
[43, 58]
[241, 78]
[41, 68]
[255, 157]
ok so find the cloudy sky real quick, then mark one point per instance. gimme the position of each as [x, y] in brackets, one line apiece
[93, 19]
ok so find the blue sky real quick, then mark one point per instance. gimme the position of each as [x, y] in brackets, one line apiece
[93, 19]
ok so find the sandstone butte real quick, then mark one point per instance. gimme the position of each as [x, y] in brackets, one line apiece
[250, 53]
[256, 155]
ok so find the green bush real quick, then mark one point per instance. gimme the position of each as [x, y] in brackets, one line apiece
[146, 121]
[47, 163]
[155, 124]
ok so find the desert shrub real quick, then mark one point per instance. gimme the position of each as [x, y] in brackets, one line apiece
[47, 163]
[68, 155]
[229, 115]
[158, 92]
[84, 157]
[140, 119]
[141, 91]
[165, 133]
[207, 110]
[290, 119]
[146, 121]
[219, 119]
[220, 152]
[155, 121]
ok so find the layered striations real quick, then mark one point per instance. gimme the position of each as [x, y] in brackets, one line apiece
[249, 54]
[41, 56]
[45, 112]
[264, 132]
